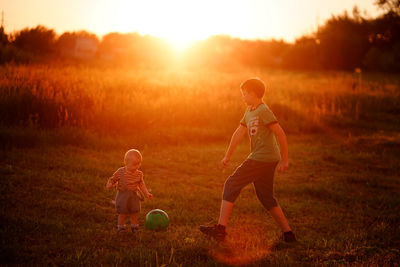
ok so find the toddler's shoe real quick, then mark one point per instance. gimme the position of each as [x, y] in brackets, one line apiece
[216, 231]
[289, 237]
[121, 230]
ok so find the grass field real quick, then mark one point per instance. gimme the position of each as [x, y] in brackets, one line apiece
[199, 101]
[342, 201]
[340, 194]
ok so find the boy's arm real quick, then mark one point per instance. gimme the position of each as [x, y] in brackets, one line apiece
[281, 137]
[235, 140]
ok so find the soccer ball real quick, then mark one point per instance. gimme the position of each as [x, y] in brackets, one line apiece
[156, 220]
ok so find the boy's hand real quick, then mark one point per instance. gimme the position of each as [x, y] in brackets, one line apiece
[224, 162]
[283, 165]
[150, 196]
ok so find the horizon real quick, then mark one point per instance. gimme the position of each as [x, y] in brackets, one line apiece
[182, 23]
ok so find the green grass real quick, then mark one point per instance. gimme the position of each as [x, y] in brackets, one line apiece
[341, 196]
[64, 131]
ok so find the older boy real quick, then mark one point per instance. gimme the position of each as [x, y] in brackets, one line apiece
[129, 180]
[259, 167]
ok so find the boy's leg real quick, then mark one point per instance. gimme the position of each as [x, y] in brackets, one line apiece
[273, 209]
[225, 212]
[265, 193]
[243, 175]
[280, 218]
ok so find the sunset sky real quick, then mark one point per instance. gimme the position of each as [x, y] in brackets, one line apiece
[180, 21]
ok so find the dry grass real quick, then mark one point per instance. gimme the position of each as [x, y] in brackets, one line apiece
[190, 102]
[64, 131]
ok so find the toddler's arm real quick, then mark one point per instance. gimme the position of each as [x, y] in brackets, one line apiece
[235, 140]
[143, 188]
[112, 181]
[281, 137]
[109, 184]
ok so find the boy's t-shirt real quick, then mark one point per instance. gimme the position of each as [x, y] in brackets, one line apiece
[264, 146]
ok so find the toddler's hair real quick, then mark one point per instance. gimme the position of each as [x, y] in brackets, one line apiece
[132, 152]
[254, 85]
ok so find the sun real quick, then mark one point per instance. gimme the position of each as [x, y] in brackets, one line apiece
[179, 23]
[183, 22]
[176, 22]
[180, 38]
[178, 44]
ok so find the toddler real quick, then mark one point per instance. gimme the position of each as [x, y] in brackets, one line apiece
[129, 180]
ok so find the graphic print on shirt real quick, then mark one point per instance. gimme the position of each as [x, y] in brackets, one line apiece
[253, 125]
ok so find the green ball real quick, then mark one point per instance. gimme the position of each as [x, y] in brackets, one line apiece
[156, 220]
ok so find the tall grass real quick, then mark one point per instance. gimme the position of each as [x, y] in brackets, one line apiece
[155, 102]
[342, 203]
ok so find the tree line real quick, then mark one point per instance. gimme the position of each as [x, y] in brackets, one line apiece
[343, 42]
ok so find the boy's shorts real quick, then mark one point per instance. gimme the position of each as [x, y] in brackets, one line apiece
[127, 202]
[261, 174]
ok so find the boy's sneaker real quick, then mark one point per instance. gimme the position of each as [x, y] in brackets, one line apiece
[216, 231]
[289, 237]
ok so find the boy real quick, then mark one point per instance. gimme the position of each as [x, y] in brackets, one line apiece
[259, 167]
[129, 180]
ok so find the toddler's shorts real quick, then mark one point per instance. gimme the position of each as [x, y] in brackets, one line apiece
[127, 202]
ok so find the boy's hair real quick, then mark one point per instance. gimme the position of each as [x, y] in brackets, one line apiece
[254, 85]
[132, 152]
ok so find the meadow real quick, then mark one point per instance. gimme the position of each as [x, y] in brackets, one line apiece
[64, 130]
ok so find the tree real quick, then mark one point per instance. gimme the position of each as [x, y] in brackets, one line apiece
[36, 40]
[304, 54]
[390, 6]
[133, 49]
[3, 36]
[66, 45]
[384, 37]
[344, 41]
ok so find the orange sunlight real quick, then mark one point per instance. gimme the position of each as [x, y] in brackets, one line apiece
[180, 22]
[244, 246]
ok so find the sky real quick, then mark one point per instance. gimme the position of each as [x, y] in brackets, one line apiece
[180, 21]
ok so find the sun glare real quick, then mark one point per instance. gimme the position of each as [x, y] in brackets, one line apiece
[179, 22]
[178, 44]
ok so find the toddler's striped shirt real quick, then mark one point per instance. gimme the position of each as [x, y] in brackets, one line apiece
[133, 179]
